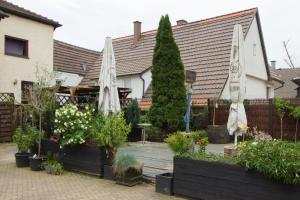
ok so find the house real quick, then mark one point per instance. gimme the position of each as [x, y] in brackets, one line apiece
[291, 86]
[72, 62]
[205, 48]
[26, 43]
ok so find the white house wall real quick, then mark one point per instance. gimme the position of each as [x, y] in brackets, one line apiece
[14, 70]
[256, 74]
[68, 79]
[136, 83]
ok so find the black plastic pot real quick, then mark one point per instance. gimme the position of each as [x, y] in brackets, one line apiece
[36, 163]
[164, 183]
[108, 173]
[22, 159]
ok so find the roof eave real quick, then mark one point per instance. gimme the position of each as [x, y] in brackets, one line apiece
[43, 21]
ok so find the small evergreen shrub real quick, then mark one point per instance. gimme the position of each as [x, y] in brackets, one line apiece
[125, 162]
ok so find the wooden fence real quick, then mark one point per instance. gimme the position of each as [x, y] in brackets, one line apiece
[7, 118]
[260, 113]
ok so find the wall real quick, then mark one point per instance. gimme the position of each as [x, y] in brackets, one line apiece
[256, 74]
[40, 50]
[136, 83]
[69, 79]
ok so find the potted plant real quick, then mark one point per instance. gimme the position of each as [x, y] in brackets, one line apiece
[52, 165]
[24, 141]
[200, 139]
[128, 170]
[109, 132]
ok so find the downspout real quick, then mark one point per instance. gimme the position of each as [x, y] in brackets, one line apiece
[141, 77]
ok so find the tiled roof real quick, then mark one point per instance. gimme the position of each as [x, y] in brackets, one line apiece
[146, 103]
[70, 58]
[204, 46]
[289, 89]
[22, 12]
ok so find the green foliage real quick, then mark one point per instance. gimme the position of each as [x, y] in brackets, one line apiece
[199, 119]
[210, 157]
[72, 124]
[110, 131]
[25, 138]
[295, 112]
[275, 159]
[52, 165]
[200, 138]
[169, 93]
[132, 114]
[125, 162]
[282, 106]
[179, 143]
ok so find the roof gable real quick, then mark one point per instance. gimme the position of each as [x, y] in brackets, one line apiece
[22, 12]
[204, 45]
[70, 58]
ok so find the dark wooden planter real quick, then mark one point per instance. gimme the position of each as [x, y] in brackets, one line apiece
[164, 183]
[218, 134]
[89, 159]
[108, 172]
[212, 180]
[36, 163]
[49, 146]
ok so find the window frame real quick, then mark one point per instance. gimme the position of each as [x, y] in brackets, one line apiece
[26, 52]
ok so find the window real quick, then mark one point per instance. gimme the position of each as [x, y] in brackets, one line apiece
[27, 88]
[16, 47]
[127, 83]
[254, 49]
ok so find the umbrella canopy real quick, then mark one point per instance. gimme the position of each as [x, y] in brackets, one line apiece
[108, 95]
[237, 119]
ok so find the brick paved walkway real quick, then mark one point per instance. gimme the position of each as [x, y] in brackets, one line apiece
[23, 184]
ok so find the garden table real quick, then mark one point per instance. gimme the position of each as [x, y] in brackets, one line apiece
[143, 126]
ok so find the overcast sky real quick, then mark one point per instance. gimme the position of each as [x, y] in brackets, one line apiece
[87, 22]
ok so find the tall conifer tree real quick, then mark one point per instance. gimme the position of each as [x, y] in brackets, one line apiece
[169, 94]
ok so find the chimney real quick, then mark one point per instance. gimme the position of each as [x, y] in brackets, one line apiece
[181, 22]
[273, 64]
[137, 31]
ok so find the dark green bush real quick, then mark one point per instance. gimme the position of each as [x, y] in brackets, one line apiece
[276, 159]
[199, 118]
[132, 114]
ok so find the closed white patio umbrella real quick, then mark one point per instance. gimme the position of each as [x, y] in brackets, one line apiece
[237, 119]
[108, 94]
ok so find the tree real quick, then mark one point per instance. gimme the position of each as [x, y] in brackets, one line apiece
[296, 114]
[132, 114]
[282, 106]
[169, 93]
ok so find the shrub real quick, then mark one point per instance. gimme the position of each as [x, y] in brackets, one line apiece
[200, 138]
[25, 139]
[210, 157]
[199, 119]
[295, 113]
[110, 131]
[282, 106]
[132, 114]
[179, 143]
[126, 162]
[72, 124]
[275, 159]
[169, 93]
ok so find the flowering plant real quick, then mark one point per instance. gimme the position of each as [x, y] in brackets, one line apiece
[72, 124]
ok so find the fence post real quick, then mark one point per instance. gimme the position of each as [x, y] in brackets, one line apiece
[270, 117]
[209, 112]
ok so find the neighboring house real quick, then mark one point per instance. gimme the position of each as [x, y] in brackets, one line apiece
[26, 42]
[291, 86]
[72, 62]
[205, 47]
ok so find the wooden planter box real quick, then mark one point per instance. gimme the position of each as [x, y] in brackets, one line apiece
[212, 180]
[84, 158]
[164, 183]
[88, 159]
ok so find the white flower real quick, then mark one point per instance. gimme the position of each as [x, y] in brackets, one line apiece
[254, 143]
